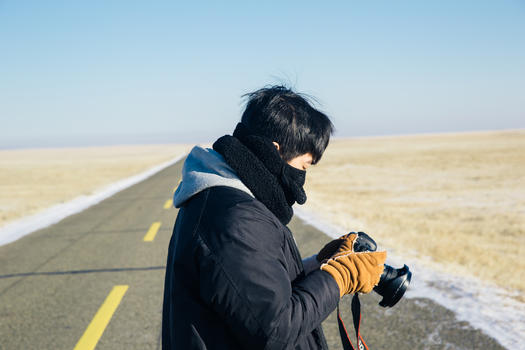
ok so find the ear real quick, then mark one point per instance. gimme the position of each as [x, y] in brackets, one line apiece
[276, 145]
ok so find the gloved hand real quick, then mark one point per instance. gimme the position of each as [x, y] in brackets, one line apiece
[356, 272]
[354, 265]
[329, 249]
[355, 242]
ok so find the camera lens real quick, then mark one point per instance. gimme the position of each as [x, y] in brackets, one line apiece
[393, 284]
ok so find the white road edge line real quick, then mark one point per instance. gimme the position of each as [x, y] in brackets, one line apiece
[26, 225]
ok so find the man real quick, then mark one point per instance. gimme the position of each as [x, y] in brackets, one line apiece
[234, 275]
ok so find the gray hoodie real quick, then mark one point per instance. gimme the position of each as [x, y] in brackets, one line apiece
[202, 169]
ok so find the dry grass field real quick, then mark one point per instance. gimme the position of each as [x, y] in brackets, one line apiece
[453, 199]
[35, 179]
[457, 200]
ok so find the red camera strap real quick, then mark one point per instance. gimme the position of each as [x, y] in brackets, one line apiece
[356, 314]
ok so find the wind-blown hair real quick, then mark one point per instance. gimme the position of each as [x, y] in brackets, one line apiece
[286, 117]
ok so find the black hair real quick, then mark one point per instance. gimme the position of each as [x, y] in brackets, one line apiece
[286, 117]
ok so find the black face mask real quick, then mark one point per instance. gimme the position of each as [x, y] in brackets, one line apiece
[292, 181]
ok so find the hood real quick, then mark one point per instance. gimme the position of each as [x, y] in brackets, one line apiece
[205, 168]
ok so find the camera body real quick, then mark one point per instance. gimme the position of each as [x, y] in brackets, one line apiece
[393, 282]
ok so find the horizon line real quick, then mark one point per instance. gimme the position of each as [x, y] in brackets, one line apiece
[202, 142]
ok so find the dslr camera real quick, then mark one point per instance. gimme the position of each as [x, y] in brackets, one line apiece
[393, 282]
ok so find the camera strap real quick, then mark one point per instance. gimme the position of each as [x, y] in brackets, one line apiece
[356, 314]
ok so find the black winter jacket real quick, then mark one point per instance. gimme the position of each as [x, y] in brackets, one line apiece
[235, 279]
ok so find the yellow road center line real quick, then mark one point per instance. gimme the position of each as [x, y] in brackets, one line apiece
[152, 232]
[168, 204]
[90, 338]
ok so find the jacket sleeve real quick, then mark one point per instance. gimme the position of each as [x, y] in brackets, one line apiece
[244, 278]
[311, 264]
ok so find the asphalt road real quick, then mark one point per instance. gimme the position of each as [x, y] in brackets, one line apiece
[95, 279]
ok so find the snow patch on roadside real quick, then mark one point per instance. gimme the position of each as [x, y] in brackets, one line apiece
[484, 306]
[24, 226]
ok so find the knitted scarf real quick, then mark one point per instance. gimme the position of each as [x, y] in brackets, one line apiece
[258, 164]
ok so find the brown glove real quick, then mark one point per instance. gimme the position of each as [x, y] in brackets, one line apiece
[342, 244]
[353, 262]
[351, 242]
[356, 272]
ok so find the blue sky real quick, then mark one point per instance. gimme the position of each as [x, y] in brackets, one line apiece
[106, 72]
